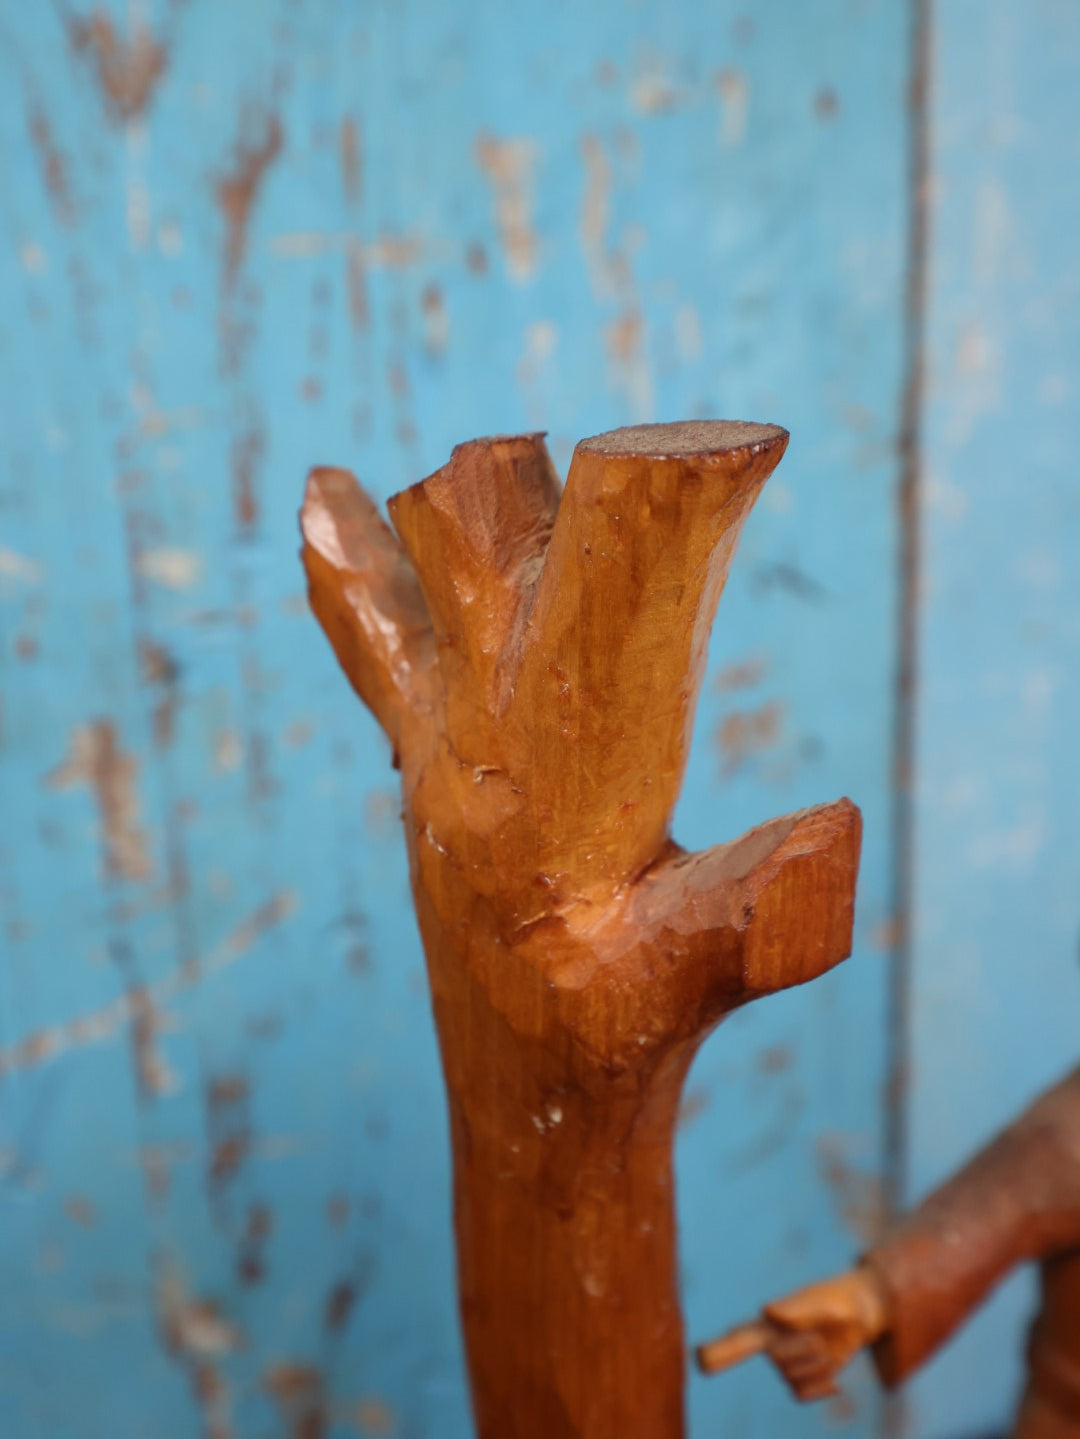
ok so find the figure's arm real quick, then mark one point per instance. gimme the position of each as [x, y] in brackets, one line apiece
[1017, 1200]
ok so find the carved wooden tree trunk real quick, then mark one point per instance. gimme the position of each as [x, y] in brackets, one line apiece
[536, 663]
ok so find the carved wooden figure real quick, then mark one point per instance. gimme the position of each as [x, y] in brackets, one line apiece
[1018, 1200]
[535, 662]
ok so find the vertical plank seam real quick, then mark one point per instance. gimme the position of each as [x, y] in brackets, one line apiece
[909, 505]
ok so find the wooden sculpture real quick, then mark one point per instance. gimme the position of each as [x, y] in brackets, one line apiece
[1017, 1200]
[535, 663]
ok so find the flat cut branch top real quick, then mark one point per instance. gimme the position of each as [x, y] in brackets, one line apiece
[686, 438]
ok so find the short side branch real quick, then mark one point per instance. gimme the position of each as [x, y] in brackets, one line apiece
[365, 595]
[476, 531]
[703, 933]
[800, 901]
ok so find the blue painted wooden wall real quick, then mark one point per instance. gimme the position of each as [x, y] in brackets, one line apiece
[996, 913]
[241, 238]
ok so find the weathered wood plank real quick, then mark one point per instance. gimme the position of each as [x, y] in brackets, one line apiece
[264, 235]
[994, 937]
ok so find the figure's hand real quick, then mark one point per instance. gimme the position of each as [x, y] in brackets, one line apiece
[809, 1335]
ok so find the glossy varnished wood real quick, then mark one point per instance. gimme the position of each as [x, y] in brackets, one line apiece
[535, 662]
[1016, 1201]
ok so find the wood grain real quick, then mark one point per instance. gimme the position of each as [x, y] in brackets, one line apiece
[577, 955]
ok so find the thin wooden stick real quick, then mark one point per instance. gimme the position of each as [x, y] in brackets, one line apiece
[734, 1347]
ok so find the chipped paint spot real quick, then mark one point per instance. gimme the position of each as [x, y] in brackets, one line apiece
[476, 260]
[81, 1210]
[228, 750]
[746, 733]
[653, 92]
[97, 761]
[197, 1334]
[368, 1414]
[170, 237]
[826, 103]
[14, 566]
[298, 1391]
[154, 1075]
[508, 165]
[790, 578]
[261, 781]
[859, 1196]
[173, 568]
[625, 338]
[388, 251]
[263, 1026]
[694, 1103]
[353, 926]
[128, 70]
[978, 365]
[192, 1327]
[734, 90]
[212, 1397]
[382, 812]
[155, 1162]
[973, 351]
[775, 1059]
[248, 450]
[595, 212]
[298, 734]
[347, 1293]
[251, 1260]
[137, 213]
[228, 1111]
[54, 167]
[97, 1025]
[887, 934]
[238, 192]
[436, 320]
[744, 675]
[356, 287]
[339, 1305]
[842, 1410]
[157, 667]
[267, 917]
[33, 258]
[941, 495]
[352, 174]
[541, 340]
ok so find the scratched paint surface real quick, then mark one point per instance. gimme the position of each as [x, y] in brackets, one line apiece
[239, 239]
[995, 981]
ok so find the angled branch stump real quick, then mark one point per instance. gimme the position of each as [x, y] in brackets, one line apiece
[535, 662]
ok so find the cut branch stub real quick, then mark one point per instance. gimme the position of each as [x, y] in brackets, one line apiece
[536, 662]
[365, 596]
[611, 661]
